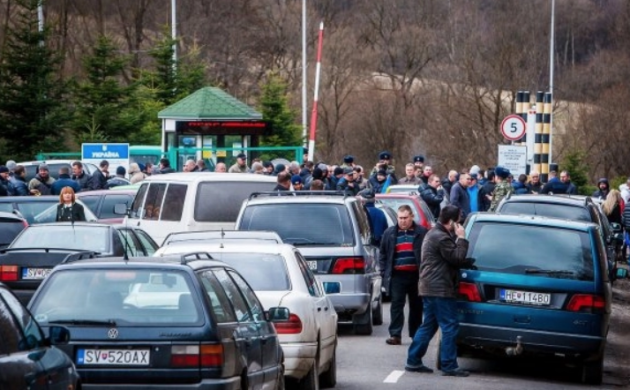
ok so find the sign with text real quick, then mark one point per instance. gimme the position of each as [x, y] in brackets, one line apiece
[116, 154]
[514, 158]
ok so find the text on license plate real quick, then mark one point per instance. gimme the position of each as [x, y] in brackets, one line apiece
[531, 298]
[312, 264]
[35, 273]
[113, 357]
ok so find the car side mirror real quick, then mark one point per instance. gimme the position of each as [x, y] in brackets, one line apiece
[58, 335]
[616, 227]
[120, 209]
[278, 314]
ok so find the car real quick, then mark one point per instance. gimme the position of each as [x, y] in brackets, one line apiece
[422, 215]
[332, 231]
[221, 235]
[31, 167]
[539, 288]
[192, 201]
[279, 275]
[37, 209]
[185, 322]
[102, 203]
[10, 226]
[39, 248]
[28, 359]
[572, 207]
[390, 214]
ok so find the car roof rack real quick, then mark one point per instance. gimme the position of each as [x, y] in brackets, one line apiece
[43, 249]
[185, 258]
[297, 193]
[79, 256]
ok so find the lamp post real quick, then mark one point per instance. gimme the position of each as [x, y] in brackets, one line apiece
[551, 63]
[174, 33]
[304, 75]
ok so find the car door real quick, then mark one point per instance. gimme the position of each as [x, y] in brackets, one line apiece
[268, 336]
[248, 331]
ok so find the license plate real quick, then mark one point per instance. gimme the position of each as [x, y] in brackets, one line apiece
[312, 264]
[113, 357]
[530, 298]
[35, 273]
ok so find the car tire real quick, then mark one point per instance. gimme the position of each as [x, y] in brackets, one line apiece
[328, 379]
[363, 323]
[311, 380]
[377, 316]
[593, 372]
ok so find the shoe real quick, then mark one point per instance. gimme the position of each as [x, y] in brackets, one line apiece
[421, 369]
[456, 372]
[393, 340]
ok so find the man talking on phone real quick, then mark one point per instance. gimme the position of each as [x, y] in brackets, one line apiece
[443, 255]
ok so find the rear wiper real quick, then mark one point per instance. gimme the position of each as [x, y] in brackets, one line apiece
[84, 322]
[549, 271]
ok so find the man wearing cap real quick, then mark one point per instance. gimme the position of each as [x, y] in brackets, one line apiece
[42, 183]
[410, 176]
[347, 184]
[11, 166]
[79, 175]
[337, 175]
[503, 187]
[241, 164]
[119, 179]
[418, 161]
[64, 180]
[296, 181]
[98, 181]
[7, 188]
[348, 161]
[385, 158]
[377, 216]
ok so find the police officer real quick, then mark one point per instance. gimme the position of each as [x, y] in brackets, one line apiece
[385, 157]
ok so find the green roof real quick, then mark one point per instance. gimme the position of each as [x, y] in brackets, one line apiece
[209, 103]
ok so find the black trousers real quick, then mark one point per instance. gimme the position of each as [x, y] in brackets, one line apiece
[404, 285]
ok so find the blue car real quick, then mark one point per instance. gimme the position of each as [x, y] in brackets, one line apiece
[539, 288]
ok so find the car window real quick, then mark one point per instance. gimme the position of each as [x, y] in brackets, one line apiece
[10, 331]
[110, 201]
[82, 237]
[174, 202]
[363, 222]
[6, 207]
[129, 244]
[138, 297]
[603, 255]
[91, 202]
[30, 209]
[138, 201]
[258, 313]
[31, 335]
[147, 242]
[574, 213]
[234, 295]
[153, 203]
[50, 214]
[220, 304]
[221, 201]
[309, 278]
[395, 203]
[531, 248]
[328, 224]
[9, 229]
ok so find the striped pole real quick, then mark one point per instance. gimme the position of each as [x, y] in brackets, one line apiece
[538, 133]
[524, 109]
[545, 136]
[311, 142]
[519, 108]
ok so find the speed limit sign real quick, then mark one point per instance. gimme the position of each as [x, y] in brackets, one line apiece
[513, 127]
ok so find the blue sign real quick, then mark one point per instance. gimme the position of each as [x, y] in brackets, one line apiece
[104, 151]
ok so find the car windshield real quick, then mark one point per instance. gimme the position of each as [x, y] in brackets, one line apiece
[562, 211]
[123, 296]
[50, 214]
[302, 224]
[81, 237]
[526, 249]
[395, 203]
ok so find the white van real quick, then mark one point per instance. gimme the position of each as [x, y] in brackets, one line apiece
[178, 202]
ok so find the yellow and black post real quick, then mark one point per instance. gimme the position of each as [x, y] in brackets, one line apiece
[545, 136]
[538, 132]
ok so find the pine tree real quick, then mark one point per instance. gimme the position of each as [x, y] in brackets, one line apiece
[32, 112]
[574, 163]
[275, 109]
[102, 101]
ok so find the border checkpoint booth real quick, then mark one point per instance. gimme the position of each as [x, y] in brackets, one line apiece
[213, 125]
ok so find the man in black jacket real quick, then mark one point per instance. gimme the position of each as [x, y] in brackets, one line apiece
[433, 194]
[459, 195]
[399, 262]
[79, 175]
[98, 181]
[485, 192]
[443, 255]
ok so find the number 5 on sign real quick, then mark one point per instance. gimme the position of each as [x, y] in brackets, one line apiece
[513, 127]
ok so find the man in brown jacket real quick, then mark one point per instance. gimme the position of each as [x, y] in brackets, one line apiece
[443, 255]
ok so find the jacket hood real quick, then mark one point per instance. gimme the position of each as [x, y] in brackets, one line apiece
[603, 180]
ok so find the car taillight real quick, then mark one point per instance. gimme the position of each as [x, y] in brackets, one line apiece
[212, 355]
[469, 292]
[292, 326]
[587, 303]
[349, 265]
[185, 356]
[8, 273]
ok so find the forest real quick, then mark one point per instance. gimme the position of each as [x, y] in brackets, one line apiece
[431, 77]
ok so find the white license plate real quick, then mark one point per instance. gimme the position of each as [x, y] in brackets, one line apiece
[113, 357]
[530, 298]
[312, 264]
[35, 273]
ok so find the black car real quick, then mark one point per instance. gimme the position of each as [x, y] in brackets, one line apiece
[27, 359]
[39, 248]
[10, 226]
[169, 323]
[37, 209]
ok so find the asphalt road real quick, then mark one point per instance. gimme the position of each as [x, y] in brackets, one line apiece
[366, 362]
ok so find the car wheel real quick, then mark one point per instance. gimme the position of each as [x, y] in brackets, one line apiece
[377, 316]
[593, 372]
[311, 380]
[329, 378]
[363, 323]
